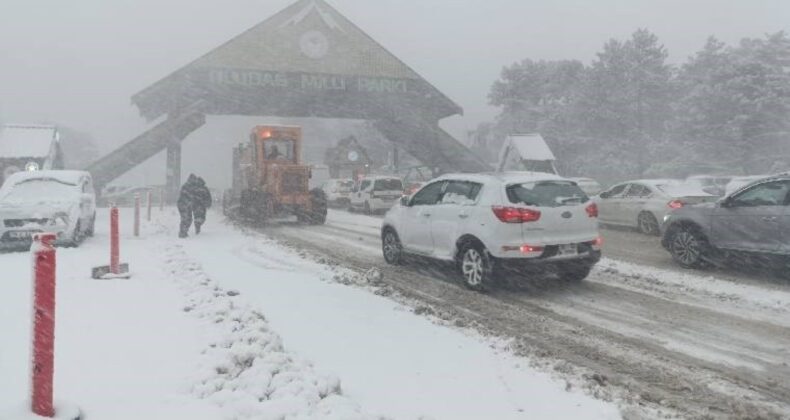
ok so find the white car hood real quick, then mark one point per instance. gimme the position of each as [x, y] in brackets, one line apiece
[34, 210]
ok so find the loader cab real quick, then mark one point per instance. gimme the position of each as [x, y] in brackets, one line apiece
[277, 145]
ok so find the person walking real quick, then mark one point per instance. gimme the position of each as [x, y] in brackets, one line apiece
[193, 201]
[202, 205]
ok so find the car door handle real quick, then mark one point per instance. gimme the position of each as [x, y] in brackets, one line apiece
[463, 216]
[426, 215]
[769, 218]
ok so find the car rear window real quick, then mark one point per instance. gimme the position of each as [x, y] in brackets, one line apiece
[388, 185]
[546, 194]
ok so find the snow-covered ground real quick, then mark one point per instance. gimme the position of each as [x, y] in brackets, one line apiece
[232, 325]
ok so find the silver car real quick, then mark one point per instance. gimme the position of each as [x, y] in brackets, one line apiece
[753, 220]
[642, 204]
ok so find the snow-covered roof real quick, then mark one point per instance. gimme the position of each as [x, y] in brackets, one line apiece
[530, 146]
[68, 177]
[27, 141]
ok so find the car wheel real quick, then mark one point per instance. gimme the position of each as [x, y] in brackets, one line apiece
[574, 272]
[687, 247]
[648, 224]
[76, 237]
[391, 247]
[91, 227]
[477, 266]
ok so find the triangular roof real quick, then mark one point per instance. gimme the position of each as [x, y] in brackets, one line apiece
[27, 141]
[528, 147]
[308, 37]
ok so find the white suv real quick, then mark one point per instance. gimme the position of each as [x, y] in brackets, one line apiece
[376, 193]
[483, 222]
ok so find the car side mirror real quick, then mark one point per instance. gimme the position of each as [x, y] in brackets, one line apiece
[604, 195]
[404, 201]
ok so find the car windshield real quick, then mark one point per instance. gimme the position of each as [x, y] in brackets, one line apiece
[388, 185]
[38, 190]
[546, 194]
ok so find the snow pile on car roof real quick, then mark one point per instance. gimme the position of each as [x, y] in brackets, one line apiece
[246, 370]
[67, 177]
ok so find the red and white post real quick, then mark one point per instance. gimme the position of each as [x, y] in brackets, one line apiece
[43, 352]
[137, 215]
[148, 204]
[115, 251]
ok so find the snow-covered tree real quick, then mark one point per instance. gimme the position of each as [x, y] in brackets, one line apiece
[735, 111]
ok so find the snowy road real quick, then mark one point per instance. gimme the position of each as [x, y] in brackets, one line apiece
[685, 341]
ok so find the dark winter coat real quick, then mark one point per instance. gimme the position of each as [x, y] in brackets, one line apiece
[194, 194]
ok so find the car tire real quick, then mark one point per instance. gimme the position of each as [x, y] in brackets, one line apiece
[477, 266]
[391, 247]
[574, 272]
[688, 247]
[92, 227]
[76, 237]
[648, 224]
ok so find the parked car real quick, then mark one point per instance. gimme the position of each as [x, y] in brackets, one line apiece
[375, 193]
[484, 222]
[61, 202]
[754, 220]
[412, 188]
[739, 182]
[338, 191]
[590, 186]
[711, 184]
[643, 204]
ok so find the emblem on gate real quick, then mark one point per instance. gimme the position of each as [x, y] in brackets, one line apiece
[567, 215]
[314, 44]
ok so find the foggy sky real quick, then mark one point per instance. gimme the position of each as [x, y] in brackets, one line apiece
[78, 62]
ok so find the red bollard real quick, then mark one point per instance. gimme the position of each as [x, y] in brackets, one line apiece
[137, 214]
[116, 269]
[115, 252]
[43, 366]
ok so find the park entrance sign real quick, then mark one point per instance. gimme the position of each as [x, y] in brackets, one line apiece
[306, 61]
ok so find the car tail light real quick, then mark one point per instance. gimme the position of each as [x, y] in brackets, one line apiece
[531, 249]
[597, 243]
[592, 210]
[675, 204]
[516, 214]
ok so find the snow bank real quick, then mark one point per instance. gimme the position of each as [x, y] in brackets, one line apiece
[245, 369]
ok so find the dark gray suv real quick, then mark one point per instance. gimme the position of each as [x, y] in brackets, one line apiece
[752, 221]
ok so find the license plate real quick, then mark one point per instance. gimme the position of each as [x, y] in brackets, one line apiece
[20, 235]
[568, 250]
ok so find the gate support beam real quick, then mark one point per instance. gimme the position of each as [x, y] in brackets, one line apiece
[173, 170]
